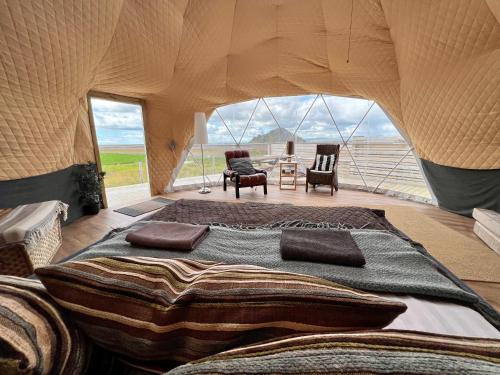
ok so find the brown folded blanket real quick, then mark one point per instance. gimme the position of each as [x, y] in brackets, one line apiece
[323, 246]
[175, 236]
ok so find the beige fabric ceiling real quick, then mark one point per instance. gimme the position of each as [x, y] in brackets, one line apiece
[433, 65]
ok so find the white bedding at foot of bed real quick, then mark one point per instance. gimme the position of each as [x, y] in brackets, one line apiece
[441, 317]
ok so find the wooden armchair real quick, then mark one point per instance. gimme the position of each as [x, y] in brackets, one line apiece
[257, 179]
[316, 177]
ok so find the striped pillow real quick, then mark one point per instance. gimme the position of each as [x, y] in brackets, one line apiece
[368, 352]
[325, 163]
[182, 309]
[35, 338]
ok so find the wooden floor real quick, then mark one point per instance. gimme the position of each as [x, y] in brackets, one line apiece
[90, 229]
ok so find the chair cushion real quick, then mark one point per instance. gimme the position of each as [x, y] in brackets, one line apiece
[369, 352]
[182, 309]
[325, 162]
[35, 336]
[252, 180]
[236, 154]
[242, 165]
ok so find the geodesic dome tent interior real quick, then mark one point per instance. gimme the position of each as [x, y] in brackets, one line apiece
[433, 66]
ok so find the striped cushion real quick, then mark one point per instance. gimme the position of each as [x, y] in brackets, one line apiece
[181, 309]
[369, 352]
[35, 338]
[325, 163]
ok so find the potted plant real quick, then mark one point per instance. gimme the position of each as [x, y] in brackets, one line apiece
[90, 188]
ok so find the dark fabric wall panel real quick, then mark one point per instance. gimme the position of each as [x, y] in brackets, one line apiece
[460, 190]
[61, 185]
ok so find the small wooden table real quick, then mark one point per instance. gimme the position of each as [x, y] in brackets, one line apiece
[288, 175]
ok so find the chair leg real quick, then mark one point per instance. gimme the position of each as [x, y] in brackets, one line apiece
[331, 190]
[225, 184]
[336, 188]
[307, 186]
[265, 188]
[237, 191]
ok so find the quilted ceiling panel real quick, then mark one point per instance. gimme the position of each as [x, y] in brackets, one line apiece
[433, 65]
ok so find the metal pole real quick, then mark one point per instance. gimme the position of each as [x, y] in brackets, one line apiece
[204, 189]
[141, 177]
[203, 165]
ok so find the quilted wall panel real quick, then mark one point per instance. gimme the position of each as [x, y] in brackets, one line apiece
[448, 56]
[49, 52]
[432, 64]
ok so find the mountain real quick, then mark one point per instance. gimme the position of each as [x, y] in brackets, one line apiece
[277, 135]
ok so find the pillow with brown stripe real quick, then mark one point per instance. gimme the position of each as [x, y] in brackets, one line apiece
[182, 309]
[35, 338]
[368, 352]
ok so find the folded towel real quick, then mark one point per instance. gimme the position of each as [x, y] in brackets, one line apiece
[175, 236]
[323, 246]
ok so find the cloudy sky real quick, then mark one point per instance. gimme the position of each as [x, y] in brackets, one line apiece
[119, 123]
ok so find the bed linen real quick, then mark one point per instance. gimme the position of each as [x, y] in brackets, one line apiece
[368, 352]
[393, 265]
[250, 215]
[181, 310]
[36, 335]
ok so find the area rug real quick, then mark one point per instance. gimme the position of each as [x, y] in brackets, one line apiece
[467, 258]
[144, 207]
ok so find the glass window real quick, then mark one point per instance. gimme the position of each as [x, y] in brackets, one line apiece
[374, 156]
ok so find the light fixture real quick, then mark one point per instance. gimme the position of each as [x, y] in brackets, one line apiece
[201, 137]
[290, 149]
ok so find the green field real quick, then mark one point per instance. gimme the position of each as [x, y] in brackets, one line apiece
[192, 166]
[108, 158]
[123, 169]
[121, 163]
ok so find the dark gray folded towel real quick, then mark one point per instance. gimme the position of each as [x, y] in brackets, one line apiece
[322, 246]
[173, 236]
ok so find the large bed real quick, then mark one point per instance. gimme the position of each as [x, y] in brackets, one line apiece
[397, 267]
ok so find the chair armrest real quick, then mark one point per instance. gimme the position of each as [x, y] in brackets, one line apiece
[229, 173]
[257, 170]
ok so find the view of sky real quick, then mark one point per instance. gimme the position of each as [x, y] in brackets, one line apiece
[121, 123]
[117, 123]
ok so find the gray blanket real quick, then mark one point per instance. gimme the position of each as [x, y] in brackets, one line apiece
[393, 265]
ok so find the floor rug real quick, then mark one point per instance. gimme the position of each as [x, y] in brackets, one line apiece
[467, 258]
[144, 207]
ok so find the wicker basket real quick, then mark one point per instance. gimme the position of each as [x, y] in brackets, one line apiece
[19, 259]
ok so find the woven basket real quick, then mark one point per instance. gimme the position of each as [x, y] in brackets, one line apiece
[19, 259]
[47, 247]
[14, 260]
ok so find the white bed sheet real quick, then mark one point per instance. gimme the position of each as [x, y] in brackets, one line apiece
[441, 317]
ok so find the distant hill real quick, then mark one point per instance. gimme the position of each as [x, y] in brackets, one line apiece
[277, 135]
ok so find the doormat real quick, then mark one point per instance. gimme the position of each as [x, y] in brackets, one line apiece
[144, 207]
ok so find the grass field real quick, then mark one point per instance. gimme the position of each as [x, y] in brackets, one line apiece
[108, 158]
[121, 163]
[123, 169]
[192, 166]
